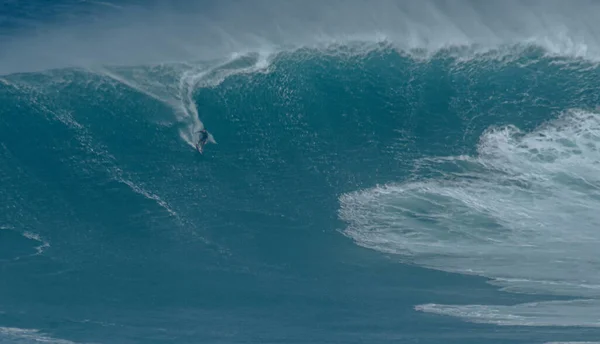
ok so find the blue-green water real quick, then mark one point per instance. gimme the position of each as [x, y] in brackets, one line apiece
[357, 193]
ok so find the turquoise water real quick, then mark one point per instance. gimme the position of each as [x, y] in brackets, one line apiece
[357, 193]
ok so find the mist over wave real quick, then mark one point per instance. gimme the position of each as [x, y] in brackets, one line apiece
[106, 33]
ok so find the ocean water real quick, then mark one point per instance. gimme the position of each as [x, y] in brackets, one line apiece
[385, 172]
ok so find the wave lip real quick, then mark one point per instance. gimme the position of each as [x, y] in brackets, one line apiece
[134, 35]
[523, 213]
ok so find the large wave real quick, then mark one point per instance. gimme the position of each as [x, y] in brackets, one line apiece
[485, 160]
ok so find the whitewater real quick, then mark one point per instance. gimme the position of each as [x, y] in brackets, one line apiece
[386, 172]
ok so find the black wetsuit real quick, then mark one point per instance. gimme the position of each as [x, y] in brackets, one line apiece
[203, 137]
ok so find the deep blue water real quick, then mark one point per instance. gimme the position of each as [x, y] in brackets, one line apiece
[357, 192]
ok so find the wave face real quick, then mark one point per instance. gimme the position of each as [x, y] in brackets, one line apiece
[353, 192]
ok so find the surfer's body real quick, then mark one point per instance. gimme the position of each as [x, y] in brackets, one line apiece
[202, 140]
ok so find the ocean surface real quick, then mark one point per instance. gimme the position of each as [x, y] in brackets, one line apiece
[383, 172]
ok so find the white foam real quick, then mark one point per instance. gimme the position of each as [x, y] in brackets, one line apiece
[523, 212]
[43, 244]
[581, 313]
[19, 335]
[39, 249]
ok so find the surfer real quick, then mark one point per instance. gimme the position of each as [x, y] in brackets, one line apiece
[202, 140]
